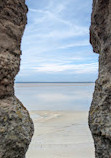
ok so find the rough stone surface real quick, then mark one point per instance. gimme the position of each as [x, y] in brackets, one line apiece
[16, 127]
[100, 111]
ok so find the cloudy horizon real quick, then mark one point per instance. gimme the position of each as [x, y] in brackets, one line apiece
[56, 44]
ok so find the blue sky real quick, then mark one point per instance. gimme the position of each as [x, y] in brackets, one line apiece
[55, 44]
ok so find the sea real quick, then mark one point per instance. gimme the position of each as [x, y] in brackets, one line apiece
[55, 96]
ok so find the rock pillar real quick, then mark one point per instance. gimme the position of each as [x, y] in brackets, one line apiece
[16, 127]
[100, 111]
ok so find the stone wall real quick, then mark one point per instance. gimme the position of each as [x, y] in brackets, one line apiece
[16, 127]
[100, 111]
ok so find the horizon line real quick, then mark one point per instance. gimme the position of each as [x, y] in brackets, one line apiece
[58, 82]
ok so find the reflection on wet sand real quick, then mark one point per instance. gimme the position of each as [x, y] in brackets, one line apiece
[52, 96]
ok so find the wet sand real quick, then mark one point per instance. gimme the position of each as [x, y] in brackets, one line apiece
[61, 135]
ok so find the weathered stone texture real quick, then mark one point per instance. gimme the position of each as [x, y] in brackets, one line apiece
[12, 24]
[100, 111]
[16, 127]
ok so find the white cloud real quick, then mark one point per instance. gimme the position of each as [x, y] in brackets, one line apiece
[76, 44]
[56, 38]
[77, 69]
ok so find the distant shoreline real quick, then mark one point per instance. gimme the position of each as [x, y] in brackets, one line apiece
[54, 82]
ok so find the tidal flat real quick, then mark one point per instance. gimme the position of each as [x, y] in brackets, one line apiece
[60, 115]
[61, 134]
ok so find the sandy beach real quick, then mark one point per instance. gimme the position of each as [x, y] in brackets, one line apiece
[61, 134]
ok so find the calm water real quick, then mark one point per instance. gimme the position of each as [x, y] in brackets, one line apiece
[55, 96]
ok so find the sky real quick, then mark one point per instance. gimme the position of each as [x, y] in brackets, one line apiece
[55, 45]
